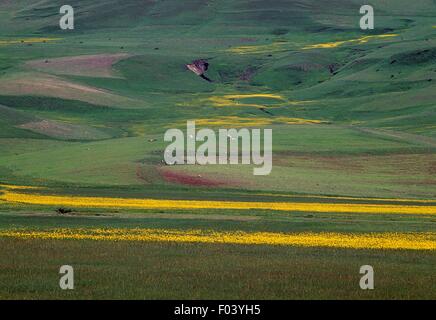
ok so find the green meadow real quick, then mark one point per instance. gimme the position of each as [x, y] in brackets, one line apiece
[83, 113]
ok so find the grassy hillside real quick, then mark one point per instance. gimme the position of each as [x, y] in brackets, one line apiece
[83, 114]
[122, 75]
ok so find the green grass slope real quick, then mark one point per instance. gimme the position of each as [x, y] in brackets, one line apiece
[378, 94]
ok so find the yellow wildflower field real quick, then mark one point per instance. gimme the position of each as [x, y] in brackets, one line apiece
[254, 95]
[231, 100]
[349, 198]
[28, 40]
[284, 45]
[266, 48]
[267, 100]
[239, 100]
[236, 122]
[409, 241]
[106, 202]
[16, 187]
[360, 40]
[233, 121]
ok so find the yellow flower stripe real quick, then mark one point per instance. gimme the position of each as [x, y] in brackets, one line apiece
[237, 122]
[410, 241]
[236, 100]
[266, 48]
[105, 202]
[285, 45]
[335, 44]
[28, 40]
[16, 187]
[232, 121]
[314, 196]
[254, 95]
[268, 100]
[231, 100]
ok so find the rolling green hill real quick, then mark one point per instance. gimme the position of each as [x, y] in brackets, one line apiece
[121, 74]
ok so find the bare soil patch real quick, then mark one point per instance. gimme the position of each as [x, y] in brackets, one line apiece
[99, 65]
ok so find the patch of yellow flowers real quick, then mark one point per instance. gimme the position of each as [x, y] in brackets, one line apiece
[236, 122]
[285, 45]
[106, 202]
[28, 40]
[254, 100]
[231, 100]
[360, 40]
[17, 187]
[266, 48]
[409, 241]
